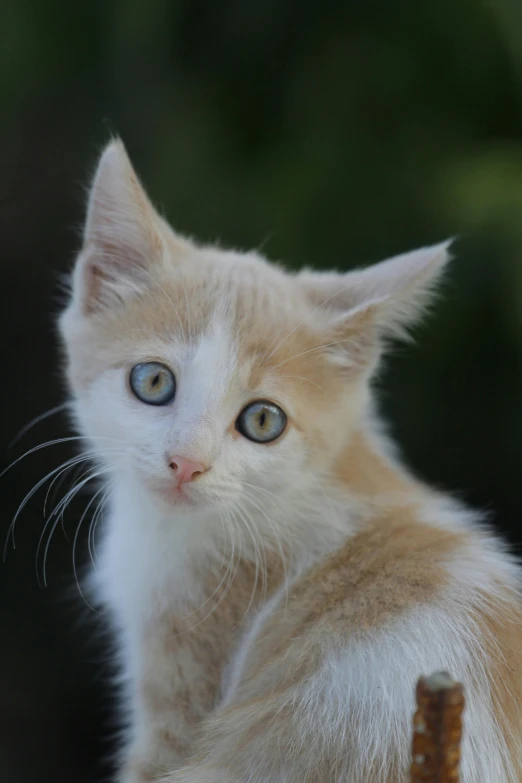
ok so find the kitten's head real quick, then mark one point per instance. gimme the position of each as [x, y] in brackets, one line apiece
[206, 376]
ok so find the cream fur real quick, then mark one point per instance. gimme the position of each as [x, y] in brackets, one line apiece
[273, 629]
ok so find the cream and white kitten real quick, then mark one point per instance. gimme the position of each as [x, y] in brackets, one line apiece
[276, 579]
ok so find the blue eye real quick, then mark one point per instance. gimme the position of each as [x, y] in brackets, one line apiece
[261, 421]
[153, 383]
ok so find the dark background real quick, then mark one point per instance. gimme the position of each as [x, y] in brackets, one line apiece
[330, 133]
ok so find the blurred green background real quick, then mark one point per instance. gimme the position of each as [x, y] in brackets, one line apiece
[330, 134]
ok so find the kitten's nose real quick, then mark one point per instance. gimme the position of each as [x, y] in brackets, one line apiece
[185, 469]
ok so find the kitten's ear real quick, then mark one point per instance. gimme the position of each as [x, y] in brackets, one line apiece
[380, 301]
[121, 237]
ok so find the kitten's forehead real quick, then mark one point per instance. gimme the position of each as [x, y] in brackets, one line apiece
[244, 315]
[214, 356]
[246, 282]
[255, 299]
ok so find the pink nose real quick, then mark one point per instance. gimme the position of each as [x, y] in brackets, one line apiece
[185, 469]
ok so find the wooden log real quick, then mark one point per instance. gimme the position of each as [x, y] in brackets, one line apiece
[437, 730]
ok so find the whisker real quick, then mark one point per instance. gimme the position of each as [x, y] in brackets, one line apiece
[47, 522]
[76, 475]
[87, 507]
[36, 420]
[60, 471]
[188, 307]
[277, 539]
[207, 600]
[315, 310]
[86, 456]
[277, 498]
[234, 561]
[75, 542]
[56, 442]
[91, 538]
[230, 572]
[70, 463]
[259, 561]
[144, 330]
[46, 550]
[28, 496]
[73, 462]
[300, 378]
[57, 512]
[311, 350]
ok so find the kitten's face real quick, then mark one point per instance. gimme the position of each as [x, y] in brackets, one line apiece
[211, 377]
[185, 369]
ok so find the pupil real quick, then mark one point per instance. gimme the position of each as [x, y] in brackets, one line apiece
[262, 420]
[155, 380]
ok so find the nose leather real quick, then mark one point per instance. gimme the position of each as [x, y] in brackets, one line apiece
[186, 470]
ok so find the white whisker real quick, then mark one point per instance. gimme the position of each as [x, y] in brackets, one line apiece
[59, 511]
[216, 590]
[28, 496]
[56, 442]
[98, 514]
[300, 378]
[36, 420]
[68, 465]
[230, 572]
[277, 538]
[259, 561]
[75, 540]
[314, 310]
[311, 350]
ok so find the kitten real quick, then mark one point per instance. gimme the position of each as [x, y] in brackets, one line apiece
[276, 579]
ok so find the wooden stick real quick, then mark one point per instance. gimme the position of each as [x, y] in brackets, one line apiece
[437, 730]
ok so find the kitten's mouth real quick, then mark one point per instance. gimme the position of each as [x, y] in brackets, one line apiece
[178, 495]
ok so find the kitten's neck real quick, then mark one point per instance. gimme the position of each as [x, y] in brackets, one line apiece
[370, 472]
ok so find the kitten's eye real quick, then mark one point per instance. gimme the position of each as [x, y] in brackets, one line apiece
[153, 383]
[261, 421]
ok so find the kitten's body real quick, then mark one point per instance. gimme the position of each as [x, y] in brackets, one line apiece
[273, 626]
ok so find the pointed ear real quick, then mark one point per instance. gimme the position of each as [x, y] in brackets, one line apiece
[121, 236]
[380, 301]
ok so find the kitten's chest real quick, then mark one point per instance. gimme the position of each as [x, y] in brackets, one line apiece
[191, 618]
[142, 575]
[150, 581]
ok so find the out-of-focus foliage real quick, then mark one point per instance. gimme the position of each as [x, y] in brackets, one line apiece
[330, 134]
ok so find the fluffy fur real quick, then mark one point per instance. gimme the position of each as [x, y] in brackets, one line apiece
[272, 624]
